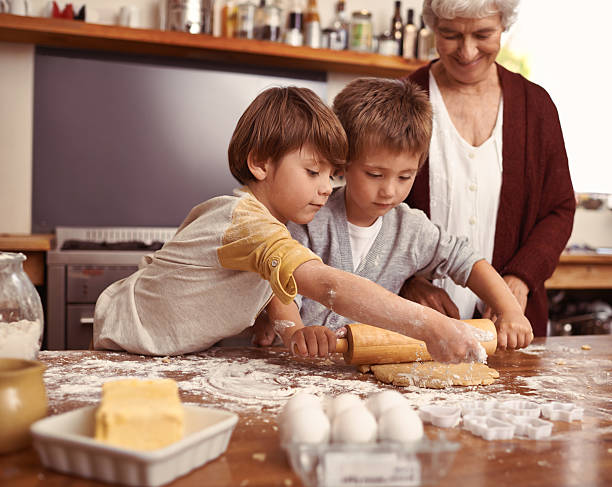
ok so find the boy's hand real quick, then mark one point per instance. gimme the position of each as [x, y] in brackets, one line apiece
[513, 331]
[263, 331]
[452, 341]
[420, 290]
[313, 341]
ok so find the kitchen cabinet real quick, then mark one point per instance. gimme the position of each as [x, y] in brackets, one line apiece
[152, 42]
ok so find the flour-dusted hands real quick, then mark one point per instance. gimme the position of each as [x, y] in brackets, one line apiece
[313, 341]
[452, 341]
[513, 331]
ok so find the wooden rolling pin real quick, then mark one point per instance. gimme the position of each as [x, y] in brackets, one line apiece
[366, 344]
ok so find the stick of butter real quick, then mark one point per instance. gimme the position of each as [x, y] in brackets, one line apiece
[140, 414]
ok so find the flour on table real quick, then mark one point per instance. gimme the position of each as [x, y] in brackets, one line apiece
[239, 384]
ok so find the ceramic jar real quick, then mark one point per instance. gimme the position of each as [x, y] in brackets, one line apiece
[23, 400]
[21, 313]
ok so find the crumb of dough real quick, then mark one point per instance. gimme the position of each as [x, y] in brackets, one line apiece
[287, 482]
[586, 347]
[260, 457]
[166, 360]
[364, 369]
[560, 362]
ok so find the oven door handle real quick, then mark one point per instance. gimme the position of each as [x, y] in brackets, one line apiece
[86, 320]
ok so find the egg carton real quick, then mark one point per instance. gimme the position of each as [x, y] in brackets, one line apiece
[442, 416]
[562, 411]
[488, 427]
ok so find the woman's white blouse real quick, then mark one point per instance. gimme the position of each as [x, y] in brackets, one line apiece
[465, 183]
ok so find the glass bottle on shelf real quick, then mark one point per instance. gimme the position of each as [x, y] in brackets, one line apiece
[21, 313]
[245, 26]
[397, 27]
[361, 31]
[272, 26]
[295, 23]
[410, 36]
[229, 18]
[312, 25]
[426, 49]
[338, 31]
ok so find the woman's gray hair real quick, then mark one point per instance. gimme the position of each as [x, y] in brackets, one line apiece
[471, 9]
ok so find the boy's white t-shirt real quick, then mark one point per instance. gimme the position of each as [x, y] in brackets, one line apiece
[362, 239]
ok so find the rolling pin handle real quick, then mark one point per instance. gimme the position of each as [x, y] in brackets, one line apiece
[341, 345]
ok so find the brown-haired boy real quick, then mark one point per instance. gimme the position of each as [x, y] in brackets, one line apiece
[232, 254]
[365, 228]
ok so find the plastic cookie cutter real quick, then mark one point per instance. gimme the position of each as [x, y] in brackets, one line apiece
[489, 428]
[478, 408]
[520, 407]
[562, 411]
[442, 416]
[532, 428]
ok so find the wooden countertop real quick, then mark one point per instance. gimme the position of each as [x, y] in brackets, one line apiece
[26, 242]
[34, 246]
[551, 369]
[582, 271]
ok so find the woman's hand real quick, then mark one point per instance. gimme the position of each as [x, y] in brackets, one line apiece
[513, 331]
[312, 341]
[420, 290]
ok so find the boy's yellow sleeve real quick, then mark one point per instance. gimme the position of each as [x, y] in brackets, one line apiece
[256, 242]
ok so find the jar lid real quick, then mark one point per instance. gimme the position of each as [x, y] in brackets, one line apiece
[12, 257]
[362, 13]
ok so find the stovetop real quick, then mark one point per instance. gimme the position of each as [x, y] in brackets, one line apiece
[106, 245]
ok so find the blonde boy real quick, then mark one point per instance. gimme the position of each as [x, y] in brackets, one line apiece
[232, 254]
[365, 228]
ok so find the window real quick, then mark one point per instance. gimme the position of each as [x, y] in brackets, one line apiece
[563, 46]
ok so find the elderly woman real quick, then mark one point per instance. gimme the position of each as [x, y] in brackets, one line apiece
[497, 169]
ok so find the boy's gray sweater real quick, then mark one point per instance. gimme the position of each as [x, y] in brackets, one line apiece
[408, 243]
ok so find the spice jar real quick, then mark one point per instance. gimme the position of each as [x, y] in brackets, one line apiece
[21, 313]
[361, 31]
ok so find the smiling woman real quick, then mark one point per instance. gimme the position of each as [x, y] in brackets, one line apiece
[497, 170]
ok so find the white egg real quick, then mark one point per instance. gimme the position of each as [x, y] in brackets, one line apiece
[381, 401]
[341, 403]
[299, 401]
[401, 424]
[305, 425]
[354, 425]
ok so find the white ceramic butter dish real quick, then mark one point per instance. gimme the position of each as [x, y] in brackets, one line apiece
[65, 443]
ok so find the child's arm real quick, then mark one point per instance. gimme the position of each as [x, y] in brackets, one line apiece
[359, 299]
[310, 341]
[513, 329]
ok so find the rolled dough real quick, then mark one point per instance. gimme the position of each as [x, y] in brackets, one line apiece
[434, 375]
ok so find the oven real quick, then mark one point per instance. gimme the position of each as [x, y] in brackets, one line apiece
[85, 262]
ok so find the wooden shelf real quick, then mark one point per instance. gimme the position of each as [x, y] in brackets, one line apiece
[582, 271]
[80, 35]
